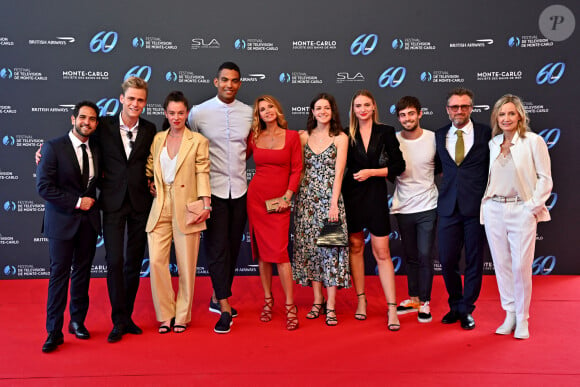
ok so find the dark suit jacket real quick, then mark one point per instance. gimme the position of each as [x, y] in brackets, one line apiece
[58, 181]
[122, 175]
[466, 181]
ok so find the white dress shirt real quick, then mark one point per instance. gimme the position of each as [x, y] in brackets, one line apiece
[227, 127]
[79, 153]
[451, 139]
[125, 136]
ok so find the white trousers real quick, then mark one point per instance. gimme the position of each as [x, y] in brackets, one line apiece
[511, 234]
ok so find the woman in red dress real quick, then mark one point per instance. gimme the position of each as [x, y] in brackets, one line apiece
[278, 158]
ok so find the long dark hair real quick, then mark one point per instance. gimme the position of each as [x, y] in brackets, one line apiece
[335, 125]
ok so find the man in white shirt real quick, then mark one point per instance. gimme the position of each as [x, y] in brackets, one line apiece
[226, 123]
[415, 206]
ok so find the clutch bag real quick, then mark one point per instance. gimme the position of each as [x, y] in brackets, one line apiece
[331, 234]
[272, 205]
[192, 211]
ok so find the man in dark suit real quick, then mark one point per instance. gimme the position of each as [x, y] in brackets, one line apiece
[67, 178]
[462, 147]
[125, 200]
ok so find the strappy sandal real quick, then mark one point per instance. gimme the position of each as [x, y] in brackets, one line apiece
[330, 320]
[361, 316]
[291, 321]
[163, 329]
[316, 310]
[393, 327]
[179, 328]
[266, 315]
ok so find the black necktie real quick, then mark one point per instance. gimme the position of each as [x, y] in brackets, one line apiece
[85, 178]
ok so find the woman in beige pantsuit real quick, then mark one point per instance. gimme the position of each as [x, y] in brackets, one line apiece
[178, 169]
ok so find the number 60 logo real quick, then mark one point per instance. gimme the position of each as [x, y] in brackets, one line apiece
[543, 265]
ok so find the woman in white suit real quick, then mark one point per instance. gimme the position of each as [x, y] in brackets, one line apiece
[520, 182]
[178, 168]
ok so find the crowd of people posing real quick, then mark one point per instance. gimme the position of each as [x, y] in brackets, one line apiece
[494, 182]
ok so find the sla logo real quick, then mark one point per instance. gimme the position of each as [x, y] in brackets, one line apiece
[9, 270]
[6, 73]
[240, 44]
[138, 42]
[104, 41]
[9, 206]
[143, 72]
[543, 265]
[364, 44]
[171, 76]
[514, 41]
[552, 200]
[397, 44]
[550, 73]
[284, 77]
[551, 136]
[8, 140]
[392, 77]
[108, 107]
[426, 76]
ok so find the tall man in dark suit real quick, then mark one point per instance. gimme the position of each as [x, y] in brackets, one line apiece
[67, 179]
[462, 147]
[125, 199]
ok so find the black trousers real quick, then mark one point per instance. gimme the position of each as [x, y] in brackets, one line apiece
[77, 253]
[124, 265]
[222, 241]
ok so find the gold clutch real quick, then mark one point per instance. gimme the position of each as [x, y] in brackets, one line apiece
[192, 211]
[272, 204]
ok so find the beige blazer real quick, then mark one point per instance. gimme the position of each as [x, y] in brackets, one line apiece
[533, 170]
[191, 177]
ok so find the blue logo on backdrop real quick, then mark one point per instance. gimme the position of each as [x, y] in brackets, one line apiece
[426, 76]
[394, 235]
[397, 44]
[393, 109]
[9, 205]
[104, 41]
[551, 136]
[6, 73]
[100, 241]
[514, 41]
[550, 73]
[552, 200]
[8, 140]
[364, 44]
[171, 76]
[284, 77]
[143, 72]
[108, 107]
[146, 269]
[9, 270]
[543, 265]
[392, 77]
[240, 44]
[138, 42]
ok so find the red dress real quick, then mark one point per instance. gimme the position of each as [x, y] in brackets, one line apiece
[277, 170]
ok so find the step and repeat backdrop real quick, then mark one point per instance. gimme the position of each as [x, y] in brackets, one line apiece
[53, 54]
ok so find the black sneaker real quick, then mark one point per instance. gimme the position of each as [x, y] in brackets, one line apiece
[214, 307]
[224, 323]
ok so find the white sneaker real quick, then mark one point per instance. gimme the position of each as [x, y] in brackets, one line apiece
[408, 306]
[424, 315]
[522, 331]
[508, 325]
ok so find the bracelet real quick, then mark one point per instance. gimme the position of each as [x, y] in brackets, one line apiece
[207, 208]
[285, 199]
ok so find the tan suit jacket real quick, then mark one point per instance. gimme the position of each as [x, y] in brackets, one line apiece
[191, 177]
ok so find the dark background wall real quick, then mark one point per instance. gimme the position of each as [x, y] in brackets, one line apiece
[53, 54]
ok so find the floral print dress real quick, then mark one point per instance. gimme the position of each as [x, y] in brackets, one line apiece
[328, 265]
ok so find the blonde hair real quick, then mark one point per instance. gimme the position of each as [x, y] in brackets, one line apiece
[353, 126]
[135, 83]
[523, 123]
[257, 124]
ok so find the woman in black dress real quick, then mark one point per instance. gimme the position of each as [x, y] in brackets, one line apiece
[373, 155]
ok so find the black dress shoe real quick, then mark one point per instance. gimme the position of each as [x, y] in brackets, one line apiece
[53, 340]
[450, 318]
[79, 330]
[133, 329]
[116, 334]
[467, 321]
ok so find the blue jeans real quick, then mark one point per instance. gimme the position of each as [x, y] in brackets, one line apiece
[418, 234]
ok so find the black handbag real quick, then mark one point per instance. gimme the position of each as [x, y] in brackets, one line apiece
[331, 235]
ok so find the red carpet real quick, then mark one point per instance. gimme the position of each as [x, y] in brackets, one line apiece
[256, 353]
